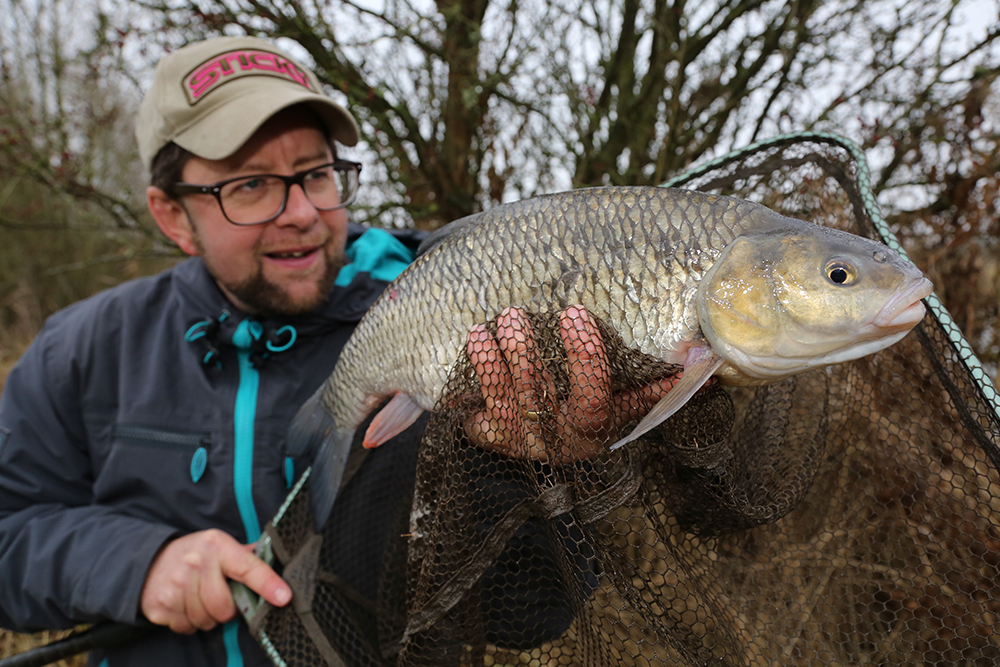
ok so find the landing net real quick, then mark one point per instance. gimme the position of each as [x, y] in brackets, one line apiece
[845, 516]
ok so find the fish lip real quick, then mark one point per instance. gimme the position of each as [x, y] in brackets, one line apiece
[905, 309]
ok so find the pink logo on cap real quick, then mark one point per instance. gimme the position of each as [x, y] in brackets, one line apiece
[237, 64]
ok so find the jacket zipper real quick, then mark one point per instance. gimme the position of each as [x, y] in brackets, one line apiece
[157, 437]
[244, 418]
[182, 441]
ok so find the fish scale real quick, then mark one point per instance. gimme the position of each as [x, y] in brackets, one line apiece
[637, 258]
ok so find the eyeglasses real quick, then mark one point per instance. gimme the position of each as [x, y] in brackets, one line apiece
[260, 198]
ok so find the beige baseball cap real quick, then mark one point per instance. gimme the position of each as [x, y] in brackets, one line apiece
[211, 96]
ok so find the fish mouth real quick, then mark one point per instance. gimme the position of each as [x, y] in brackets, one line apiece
[905, 308]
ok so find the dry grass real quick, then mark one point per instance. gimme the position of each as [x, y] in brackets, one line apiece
[12, 643]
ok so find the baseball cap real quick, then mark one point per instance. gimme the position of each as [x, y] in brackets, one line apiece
[210, 97]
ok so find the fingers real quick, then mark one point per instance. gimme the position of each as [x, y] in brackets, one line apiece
[514, 384]
[532, 384]
[186, 587]
[590, 384]
[633, 404]
[196, 581]
[494, 377]
[488, 427]
[517, 389]
[599, 411]
[240, 565]
[533, 387]
[214, 597]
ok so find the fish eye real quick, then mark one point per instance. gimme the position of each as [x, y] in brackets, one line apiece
[840, 273]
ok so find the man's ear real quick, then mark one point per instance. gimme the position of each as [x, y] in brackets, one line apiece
[172, 219]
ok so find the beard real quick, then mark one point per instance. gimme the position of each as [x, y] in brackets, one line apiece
[268, 299]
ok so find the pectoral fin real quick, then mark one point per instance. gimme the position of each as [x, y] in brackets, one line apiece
[392, 420]
[699, 366]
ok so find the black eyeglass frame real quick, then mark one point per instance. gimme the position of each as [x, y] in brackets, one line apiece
[297, 178]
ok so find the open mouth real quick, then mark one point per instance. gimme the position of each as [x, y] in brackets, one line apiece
[292, 254]
[295, 259]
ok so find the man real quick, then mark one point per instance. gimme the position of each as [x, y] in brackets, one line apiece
[140, 434]
[142, 429]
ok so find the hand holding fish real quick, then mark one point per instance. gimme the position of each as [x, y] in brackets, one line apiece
[520, 393]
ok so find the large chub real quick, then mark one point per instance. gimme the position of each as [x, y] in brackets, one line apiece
[723, 287]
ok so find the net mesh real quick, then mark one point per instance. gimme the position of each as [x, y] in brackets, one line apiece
[844, 516]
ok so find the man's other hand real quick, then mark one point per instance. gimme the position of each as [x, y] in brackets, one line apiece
[517, 389]
[186, 588]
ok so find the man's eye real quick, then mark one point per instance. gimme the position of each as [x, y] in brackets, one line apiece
[251, 184]
[320, 175]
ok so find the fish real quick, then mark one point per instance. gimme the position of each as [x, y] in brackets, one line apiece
[724, 287]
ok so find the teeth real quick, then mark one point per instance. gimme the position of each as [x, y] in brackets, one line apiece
[293, 255]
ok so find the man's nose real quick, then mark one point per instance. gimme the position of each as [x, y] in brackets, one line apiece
[299, 211]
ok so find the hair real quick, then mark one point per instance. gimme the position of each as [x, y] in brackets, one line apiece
[167, 167]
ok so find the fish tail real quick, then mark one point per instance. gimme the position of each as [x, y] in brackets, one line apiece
[314, 434]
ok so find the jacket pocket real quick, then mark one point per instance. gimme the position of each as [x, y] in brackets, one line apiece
[162, 474]
[185, 443]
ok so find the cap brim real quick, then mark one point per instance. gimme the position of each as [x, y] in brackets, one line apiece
[223, 131]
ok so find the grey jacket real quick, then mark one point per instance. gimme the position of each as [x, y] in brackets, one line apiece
[156, 409]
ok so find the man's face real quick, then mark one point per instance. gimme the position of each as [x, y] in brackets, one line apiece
[283, 267]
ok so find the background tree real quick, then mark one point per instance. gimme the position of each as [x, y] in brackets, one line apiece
[465, 103]
[471, 102]
[70, 186]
